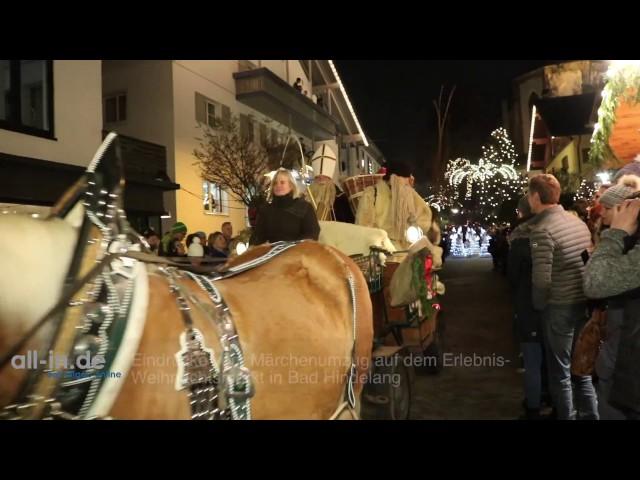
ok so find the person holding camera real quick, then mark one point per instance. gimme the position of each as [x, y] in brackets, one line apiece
[612, 308]
[614, 270]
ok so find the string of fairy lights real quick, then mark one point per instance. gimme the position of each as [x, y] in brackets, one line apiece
[493, 178]
[586, 191]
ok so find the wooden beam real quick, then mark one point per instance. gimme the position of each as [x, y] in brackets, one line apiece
[341, 113]
[326, 79]
[352, 138]
[324, 88]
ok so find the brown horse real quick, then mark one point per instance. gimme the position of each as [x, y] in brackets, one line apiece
[294, 316]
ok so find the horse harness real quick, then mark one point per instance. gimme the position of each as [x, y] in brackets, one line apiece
[94, 310]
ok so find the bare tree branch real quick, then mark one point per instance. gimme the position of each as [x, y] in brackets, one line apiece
[229, 159]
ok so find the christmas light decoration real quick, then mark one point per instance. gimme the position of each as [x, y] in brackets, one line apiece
[586, 191]
[623, 82]
[494, 177]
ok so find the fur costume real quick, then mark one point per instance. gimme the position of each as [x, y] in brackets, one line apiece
[394, 208]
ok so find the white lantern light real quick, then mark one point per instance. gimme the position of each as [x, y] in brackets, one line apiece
[241, 248]
[414, 233]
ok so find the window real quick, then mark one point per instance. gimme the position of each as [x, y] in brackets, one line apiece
[215, 201]
[26, 96]
[115, 108]
[211, 114]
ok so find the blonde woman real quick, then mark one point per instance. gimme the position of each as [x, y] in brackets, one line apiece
[288, 217]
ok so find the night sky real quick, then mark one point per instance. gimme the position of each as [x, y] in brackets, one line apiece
[394, 103]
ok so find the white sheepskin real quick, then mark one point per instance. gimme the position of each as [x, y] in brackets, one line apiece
[353, 239]
[36, 255]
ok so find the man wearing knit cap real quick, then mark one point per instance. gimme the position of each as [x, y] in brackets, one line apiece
[171, 244]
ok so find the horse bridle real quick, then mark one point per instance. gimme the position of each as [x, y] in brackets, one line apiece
[214, 393]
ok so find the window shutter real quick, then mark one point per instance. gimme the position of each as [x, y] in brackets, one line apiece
[201, 108]
[226, 115]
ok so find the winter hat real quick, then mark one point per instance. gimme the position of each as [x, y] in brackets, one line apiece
[615, 195]
[398, 168]
[179, 227]
[631, 181]
[195, 249]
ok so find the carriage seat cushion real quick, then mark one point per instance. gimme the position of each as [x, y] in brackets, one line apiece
[353, 239]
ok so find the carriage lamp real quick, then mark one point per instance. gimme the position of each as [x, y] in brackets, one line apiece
[241, 248]
[413, 234]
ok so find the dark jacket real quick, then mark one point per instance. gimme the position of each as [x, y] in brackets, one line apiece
[212, 252]
[557, 242]
[286, 219]
[625, 390]
[519, 275]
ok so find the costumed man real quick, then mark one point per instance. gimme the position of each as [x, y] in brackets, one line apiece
[330, 201]
[393, 205]
[323, 189]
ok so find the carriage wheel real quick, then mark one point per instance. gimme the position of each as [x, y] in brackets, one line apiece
[388, 396]
[400, 395]
[434, 353]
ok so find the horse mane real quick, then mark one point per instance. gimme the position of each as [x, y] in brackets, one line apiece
[249, 255]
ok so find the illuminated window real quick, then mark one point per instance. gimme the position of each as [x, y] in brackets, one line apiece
[215, 201]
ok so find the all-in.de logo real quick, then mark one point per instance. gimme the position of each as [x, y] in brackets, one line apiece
[32, 361]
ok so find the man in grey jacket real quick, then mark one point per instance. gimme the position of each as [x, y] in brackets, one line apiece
[558, 240]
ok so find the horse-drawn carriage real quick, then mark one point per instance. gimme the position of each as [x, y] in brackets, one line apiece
[407, 331]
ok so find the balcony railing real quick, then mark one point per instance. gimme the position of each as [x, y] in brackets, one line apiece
[264, 91]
